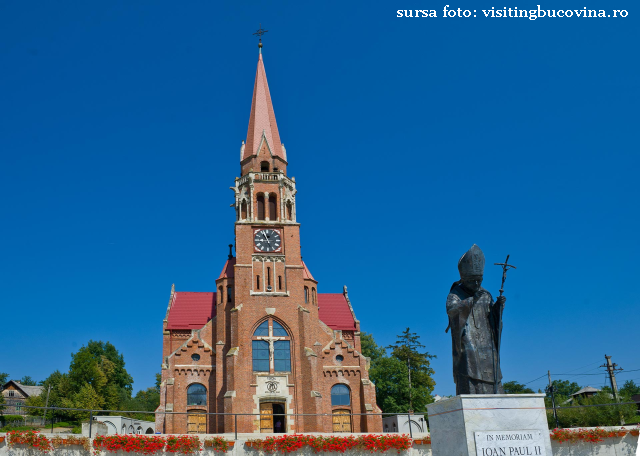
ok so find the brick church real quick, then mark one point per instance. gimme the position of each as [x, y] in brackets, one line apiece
[266, 342]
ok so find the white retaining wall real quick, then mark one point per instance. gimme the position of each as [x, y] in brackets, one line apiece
[614, 446]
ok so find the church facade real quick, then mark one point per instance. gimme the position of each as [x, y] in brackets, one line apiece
[265, 343]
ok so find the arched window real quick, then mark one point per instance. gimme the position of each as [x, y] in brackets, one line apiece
[271, 337]
[306, 295]
[279, 282]
[289, 211]
[260, 206]
[258, 282]
[340, 395]
[229, 294]
[243, 210]
[196, 394]
[220, 294]
[264, 166]
[313, 296]
[273, 207]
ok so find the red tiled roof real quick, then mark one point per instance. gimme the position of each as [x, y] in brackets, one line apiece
[191, 310]
[306, 274]
[262, 118]
[227, 270]
[334, 311]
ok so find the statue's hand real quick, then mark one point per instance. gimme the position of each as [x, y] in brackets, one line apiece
[501, 300]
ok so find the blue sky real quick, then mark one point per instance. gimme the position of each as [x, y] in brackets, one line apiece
[410, 140]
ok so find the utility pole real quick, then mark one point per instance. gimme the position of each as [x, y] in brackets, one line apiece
[46, 404]
[553, 400]
[611, 369]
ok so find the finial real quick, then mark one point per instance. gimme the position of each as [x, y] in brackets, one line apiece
[259, 34]
[230, 251]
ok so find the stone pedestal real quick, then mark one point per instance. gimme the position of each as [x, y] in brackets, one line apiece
[490, 424]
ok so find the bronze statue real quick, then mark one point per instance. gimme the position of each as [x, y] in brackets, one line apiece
[476, 325]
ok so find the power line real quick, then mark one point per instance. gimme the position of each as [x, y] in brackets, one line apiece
[579, 375]
[588, 365]
[535, 379]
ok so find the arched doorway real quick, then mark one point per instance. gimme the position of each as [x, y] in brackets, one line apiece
[273, 418]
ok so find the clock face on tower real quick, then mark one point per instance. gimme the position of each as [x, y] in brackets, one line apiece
[267, 240]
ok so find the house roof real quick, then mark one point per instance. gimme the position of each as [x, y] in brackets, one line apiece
[306, 274]
[262, 120]
[585, 390]
[28, 390]
[227, 270]
[191, 310]
[334, 311]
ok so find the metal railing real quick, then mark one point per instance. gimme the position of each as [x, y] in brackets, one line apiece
[95, 414]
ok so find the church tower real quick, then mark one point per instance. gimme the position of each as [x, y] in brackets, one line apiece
[277, 348]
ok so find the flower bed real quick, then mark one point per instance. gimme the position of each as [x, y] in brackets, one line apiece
[184, 444]
[321, 444]
[84, 442]
[594, 435]
[219, 444]
[31, 439]
[135, 443]
[425, 441]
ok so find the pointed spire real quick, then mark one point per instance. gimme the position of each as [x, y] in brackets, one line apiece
[262, 121]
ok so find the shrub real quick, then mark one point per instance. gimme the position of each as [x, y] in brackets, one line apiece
[592, 416]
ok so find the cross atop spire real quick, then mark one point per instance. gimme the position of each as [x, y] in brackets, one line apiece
[259, 34]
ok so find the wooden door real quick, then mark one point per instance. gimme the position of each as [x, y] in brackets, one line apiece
[197, 423]
[341, 421]
[266, 417]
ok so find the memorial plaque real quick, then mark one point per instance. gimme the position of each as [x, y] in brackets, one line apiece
[509, 443]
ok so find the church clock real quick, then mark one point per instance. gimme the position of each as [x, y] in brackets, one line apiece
[267, 240]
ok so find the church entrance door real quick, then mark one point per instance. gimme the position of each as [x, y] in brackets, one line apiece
[196, 422]
[272, 417]
[342, 421]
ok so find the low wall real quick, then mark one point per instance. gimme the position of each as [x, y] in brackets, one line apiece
[612, 446]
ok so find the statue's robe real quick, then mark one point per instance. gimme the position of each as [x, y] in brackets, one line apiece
[475, 330]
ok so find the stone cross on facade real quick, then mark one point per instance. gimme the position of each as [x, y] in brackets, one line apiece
[271, 339]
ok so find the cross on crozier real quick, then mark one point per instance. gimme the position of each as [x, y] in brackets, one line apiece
[271, 340]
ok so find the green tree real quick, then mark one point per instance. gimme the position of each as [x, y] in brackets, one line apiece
[3, 379]
[86, 398]
[101, 366]
[562, 389]
[34, 401]
[406, 349]
[27, 381]
[593, 416]
[370, 349]
[630, 388]
[514, 387]
[97, 379]
[158, 382]
[390, 374]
